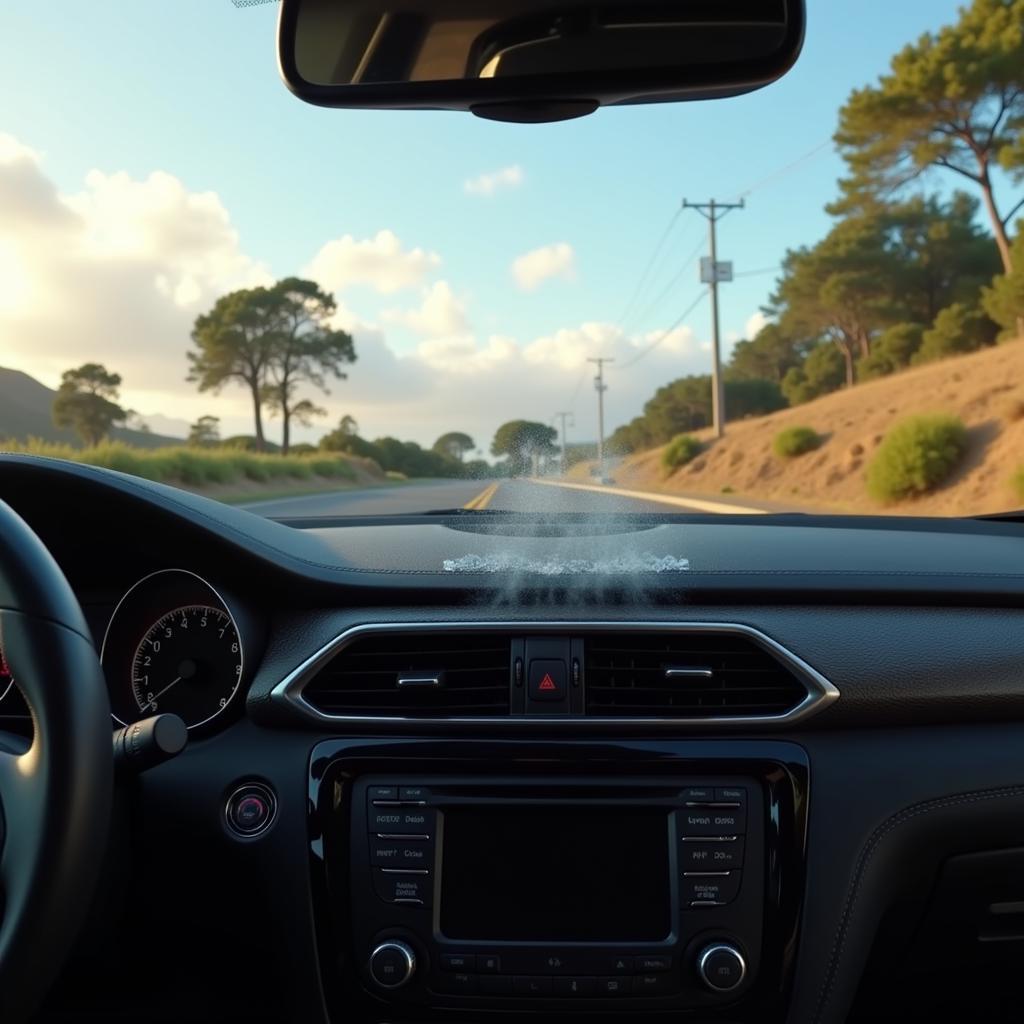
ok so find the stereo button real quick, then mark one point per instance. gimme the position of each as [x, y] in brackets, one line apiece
[402, 888]
[713, 821]
[712, 856]
[577, 988]
[388, 853]
[402, 820]
[412, 793]
[699, 794]
[651, 964]
[533, 985]
[457, 981]
[614, 986]
[488, 963]
[654, 984]
[458, 962]
[730, 795]
[710, 890]
[382, 793]
[621, 965]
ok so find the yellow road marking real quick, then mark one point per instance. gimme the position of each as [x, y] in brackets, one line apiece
[483, 499]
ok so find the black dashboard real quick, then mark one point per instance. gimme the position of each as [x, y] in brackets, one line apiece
[743, 769]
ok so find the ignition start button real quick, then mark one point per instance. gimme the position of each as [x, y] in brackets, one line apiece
[250, 810]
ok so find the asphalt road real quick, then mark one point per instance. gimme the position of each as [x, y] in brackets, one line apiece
[509, 495]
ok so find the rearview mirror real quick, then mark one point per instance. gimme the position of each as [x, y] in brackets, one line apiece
[532, 60]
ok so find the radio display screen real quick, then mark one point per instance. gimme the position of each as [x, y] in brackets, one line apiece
[558, 874]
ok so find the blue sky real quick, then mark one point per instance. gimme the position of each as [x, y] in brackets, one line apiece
[190, 89]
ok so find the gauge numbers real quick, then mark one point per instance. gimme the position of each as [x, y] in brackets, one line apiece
[189, 663]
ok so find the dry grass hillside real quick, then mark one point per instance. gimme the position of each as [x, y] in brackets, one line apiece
[985, 389]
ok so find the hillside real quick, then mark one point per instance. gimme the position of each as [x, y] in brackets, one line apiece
[25, 411]
[985, 389]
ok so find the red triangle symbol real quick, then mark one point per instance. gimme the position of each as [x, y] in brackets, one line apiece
[547, 684]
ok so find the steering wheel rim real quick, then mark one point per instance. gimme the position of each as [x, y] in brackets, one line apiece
[55, 796]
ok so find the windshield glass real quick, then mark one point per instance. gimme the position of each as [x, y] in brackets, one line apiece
[808, 298]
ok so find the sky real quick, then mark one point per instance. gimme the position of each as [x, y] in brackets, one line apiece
[151, 160]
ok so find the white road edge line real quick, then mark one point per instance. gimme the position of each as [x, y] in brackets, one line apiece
[696, 504]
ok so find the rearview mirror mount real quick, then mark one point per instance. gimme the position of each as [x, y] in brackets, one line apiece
[532, 60]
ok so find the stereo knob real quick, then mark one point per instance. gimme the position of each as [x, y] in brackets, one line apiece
[721, 967]
[392, 964]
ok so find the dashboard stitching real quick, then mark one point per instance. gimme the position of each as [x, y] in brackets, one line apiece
[869, 850]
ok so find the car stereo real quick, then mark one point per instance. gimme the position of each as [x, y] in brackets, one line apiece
[539, 876]
[575, 889]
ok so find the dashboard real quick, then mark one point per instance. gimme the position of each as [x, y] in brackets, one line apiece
[428, 778]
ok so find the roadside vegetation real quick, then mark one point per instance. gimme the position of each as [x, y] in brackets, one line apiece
[679, 451]
[916, 456]
[904, 277]
[795, 441]
[194, 467]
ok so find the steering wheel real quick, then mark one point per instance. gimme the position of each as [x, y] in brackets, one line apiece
[55, 795]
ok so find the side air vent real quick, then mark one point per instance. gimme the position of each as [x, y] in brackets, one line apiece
[688, 675]
[415, 675]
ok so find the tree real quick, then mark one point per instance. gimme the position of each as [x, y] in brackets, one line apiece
[348, 426]
[86, 402]
[303, 349]
[1004, 300]
[204, 432]
[957, 328]
[953, 100]
[839, 290]
[824, 370]
[893, 350]
[520, 440]
[454, 444]
[233, 343]
[768, 356]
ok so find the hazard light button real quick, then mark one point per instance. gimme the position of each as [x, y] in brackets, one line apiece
[547, 680]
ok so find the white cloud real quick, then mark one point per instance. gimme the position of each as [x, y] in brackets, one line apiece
[539, 265]
[441, 314]
[379, 262]
[117, 273]
[755, 322]
[488, 184]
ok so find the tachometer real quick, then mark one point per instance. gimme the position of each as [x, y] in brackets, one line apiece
[173, 644]
[189, 663]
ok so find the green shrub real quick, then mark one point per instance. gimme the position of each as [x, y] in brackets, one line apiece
[679, 451]
[195, 467]
[916, 456]
[957, 328]
[795, 441]
[891, 351]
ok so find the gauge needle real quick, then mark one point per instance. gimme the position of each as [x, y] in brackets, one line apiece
[157, 696]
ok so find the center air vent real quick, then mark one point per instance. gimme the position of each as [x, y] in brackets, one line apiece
[687, 675]
[415, 675]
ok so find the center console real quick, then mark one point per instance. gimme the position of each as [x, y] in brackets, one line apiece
[660, 879]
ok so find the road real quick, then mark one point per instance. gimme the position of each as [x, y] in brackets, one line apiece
[509, 495]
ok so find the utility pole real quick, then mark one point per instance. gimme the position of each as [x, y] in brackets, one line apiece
[711, 273]
[563, 416]
[601, 388]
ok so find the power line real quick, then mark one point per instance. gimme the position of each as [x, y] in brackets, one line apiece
[663, 294]
[781, 172]
[600, 387]
[654, 344]
[755, 273]
[650, 264]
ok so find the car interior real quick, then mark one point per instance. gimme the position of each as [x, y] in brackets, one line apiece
[716, 768]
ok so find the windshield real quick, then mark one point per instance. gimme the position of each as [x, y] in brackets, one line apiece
[808, 298]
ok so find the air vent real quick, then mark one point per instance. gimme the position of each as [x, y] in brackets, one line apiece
[687, 675]
[415, 675]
